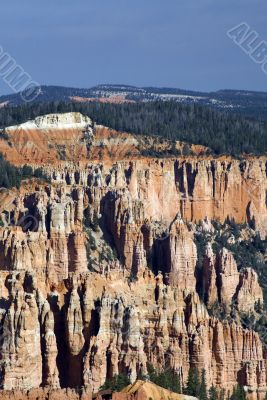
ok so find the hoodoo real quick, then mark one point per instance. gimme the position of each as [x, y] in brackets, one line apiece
[117, 262]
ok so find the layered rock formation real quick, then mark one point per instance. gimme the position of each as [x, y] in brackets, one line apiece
[110, 328]
[222, 282]
[72, 320]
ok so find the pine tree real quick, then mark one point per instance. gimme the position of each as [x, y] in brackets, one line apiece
[213, 394]
[95, 222]
[238, 393]
[203, 386]
[86, 217]
[222, 394]
[116, 383]
[166, 379]
[192, 387]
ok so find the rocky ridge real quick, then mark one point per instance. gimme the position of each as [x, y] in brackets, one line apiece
[72, 315]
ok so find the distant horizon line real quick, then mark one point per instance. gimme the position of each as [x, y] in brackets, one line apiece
[118, 85]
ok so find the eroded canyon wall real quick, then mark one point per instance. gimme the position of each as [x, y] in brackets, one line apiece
[71, 315]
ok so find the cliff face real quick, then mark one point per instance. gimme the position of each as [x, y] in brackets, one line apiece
[196, 188]
[79, 300]
[109, 327]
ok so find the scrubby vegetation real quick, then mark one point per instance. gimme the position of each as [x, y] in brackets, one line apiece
[249, 250]
[98, 250]
[116, 383]
[166, 379]
[11, 176]
[196, 385]
[222, 132]
[4, 135]
[238, 393]
[91, 220]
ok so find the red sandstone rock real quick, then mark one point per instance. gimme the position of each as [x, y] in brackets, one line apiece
[64, 325]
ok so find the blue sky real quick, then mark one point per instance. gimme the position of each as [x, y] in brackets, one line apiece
[173, 43]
